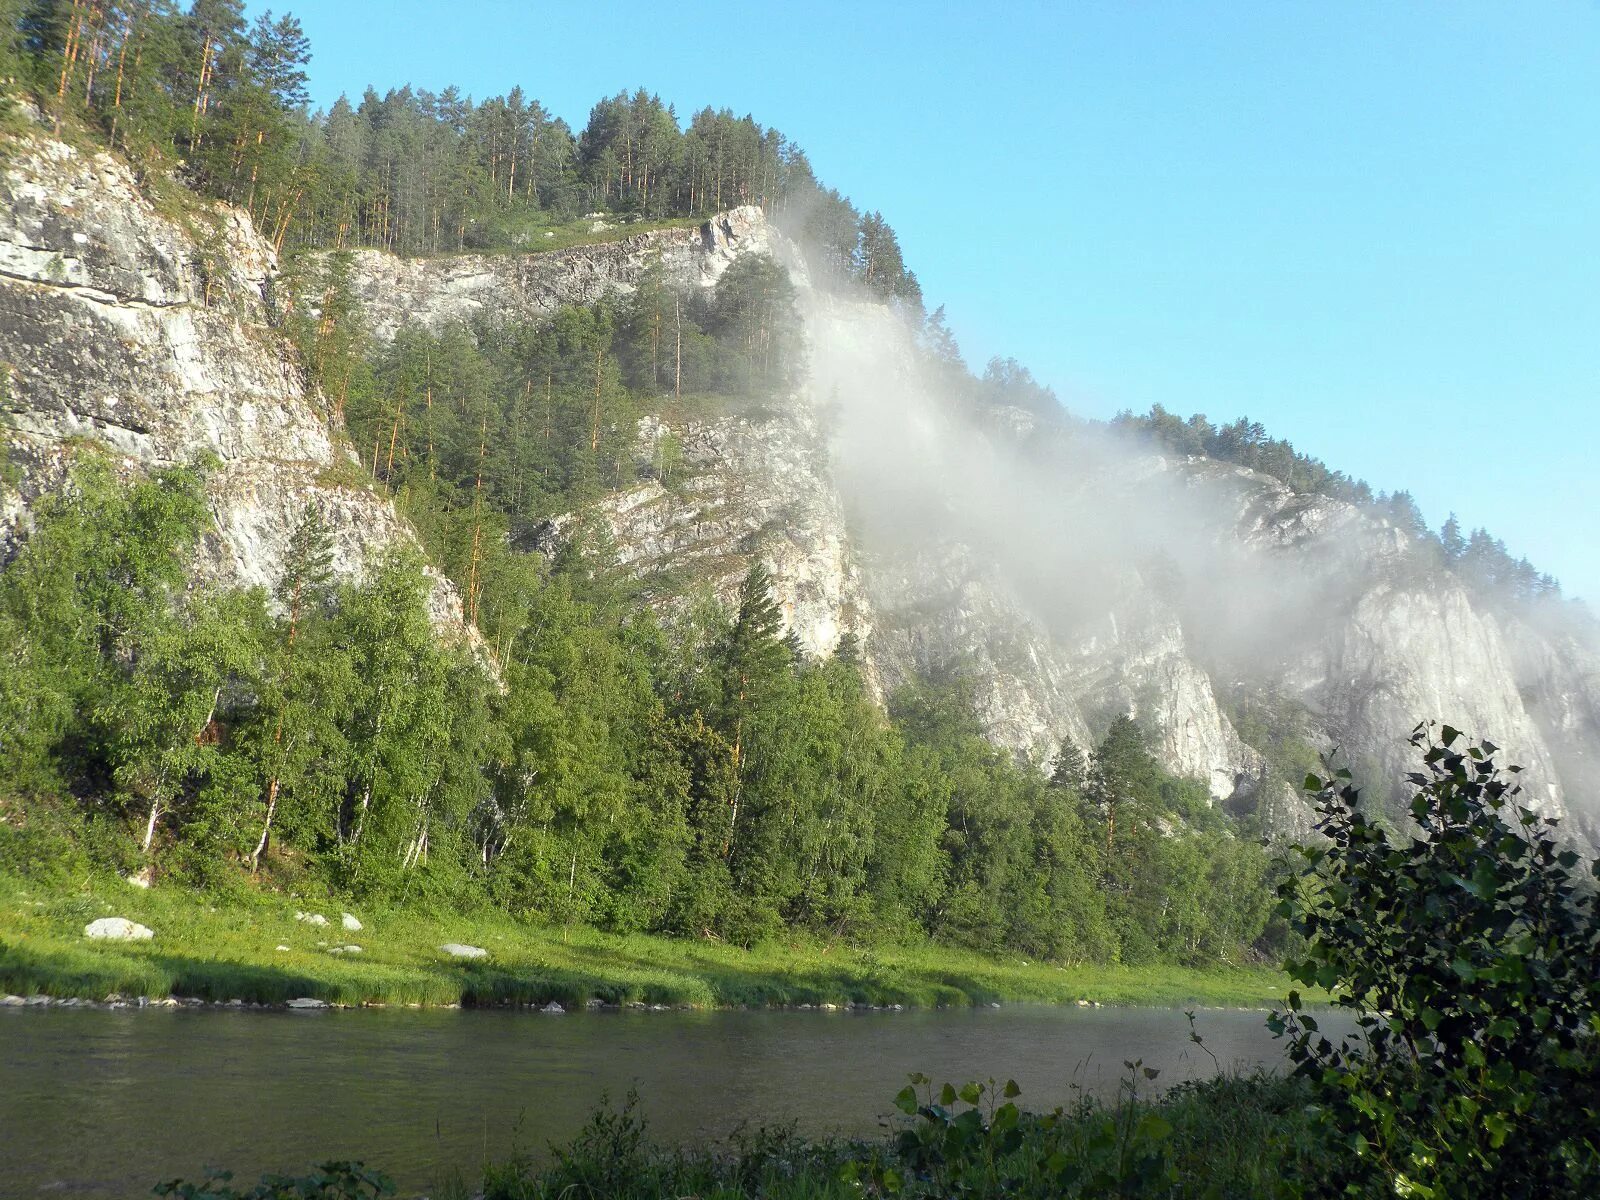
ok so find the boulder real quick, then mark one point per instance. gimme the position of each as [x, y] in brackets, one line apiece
[349, 922]
[311, 918]
[306, 1002]
[552, 1007]
[461, 950]
[12, 1001]
[117, 929]
[344, 950]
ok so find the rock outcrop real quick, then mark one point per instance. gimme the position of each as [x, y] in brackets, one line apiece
[117, 929]
[150, 333]
[931, 558]
[433, 292]
[1070, 580]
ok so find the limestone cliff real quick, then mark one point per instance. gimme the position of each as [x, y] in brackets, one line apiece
[1070, 577]
[437, 291]
[149, 332]
[1111, 581]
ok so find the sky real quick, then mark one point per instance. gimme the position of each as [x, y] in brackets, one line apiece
[1373, 227]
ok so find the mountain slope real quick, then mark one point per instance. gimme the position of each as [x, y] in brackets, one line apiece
[1069, 574]
[150, 334]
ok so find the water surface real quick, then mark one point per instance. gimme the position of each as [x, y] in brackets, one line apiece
[97, 1103]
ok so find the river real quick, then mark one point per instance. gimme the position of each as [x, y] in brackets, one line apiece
[103, 1103]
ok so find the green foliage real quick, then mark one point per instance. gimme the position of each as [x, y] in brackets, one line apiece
[224, 102]
[1232, 1136]
[1468, 951]
[1244, 442]
[330, 1181]
[706, 781]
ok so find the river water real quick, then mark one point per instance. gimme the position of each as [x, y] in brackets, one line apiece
[99, 1103]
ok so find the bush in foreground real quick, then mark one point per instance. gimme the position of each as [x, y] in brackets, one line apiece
[1469, 953]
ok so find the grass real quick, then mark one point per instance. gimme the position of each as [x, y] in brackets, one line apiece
[581, 233]
[224, 947]
[1232, 1136]
[532, 235]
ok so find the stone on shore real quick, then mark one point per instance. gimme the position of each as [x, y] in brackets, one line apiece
[118, 929]
[307, 1002]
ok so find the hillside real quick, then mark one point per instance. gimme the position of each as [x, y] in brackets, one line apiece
[686, 582]
[1069, 573]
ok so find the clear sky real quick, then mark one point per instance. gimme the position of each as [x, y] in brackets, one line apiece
[1374, 227]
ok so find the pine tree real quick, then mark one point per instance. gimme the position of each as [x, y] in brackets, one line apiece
[1070, 767]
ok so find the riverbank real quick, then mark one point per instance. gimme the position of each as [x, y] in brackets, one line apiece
[1238, 1135]
[267, 949]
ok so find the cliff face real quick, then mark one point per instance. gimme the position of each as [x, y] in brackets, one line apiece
[1069, 578]
[1107, 582]
[150, 334]
[455, 288]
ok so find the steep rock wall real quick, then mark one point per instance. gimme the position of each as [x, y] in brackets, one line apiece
[1300, 598]
[454, 288]
[150, 334]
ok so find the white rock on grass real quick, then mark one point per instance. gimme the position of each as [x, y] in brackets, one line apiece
[311, 918]
[118, 929]
[461, 950]
[349, 922]
[308, 1002]
[344, 950]
[281, 946]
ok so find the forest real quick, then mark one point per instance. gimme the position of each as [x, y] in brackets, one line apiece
[693, 776]
[224, 102]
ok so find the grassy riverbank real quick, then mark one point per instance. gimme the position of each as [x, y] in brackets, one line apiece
[227, 947]
[1232, 1136]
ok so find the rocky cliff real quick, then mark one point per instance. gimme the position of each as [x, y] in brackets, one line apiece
[1070, 577]
[453, 288]
[150, 333]
[1070, 580]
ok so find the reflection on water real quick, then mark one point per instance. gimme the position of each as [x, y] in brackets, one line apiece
[102, 1103]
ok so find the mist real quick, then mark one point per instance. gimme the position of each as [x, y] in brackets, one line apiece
[1104, 544]
[1077, 518]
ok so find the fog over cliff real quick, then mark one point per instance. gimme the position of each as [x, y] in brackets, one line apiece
[1076, 571]
[1069, 572]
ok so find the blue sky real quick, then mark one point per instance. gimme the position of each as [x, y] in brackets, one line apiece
[1374, 227]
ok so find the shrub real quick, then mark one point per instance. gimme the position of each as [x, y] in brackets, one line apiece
[1467, 951]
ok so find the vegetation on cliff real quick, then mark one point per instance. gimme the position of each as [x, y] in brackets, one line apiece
[697, 777]
[224, 101]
